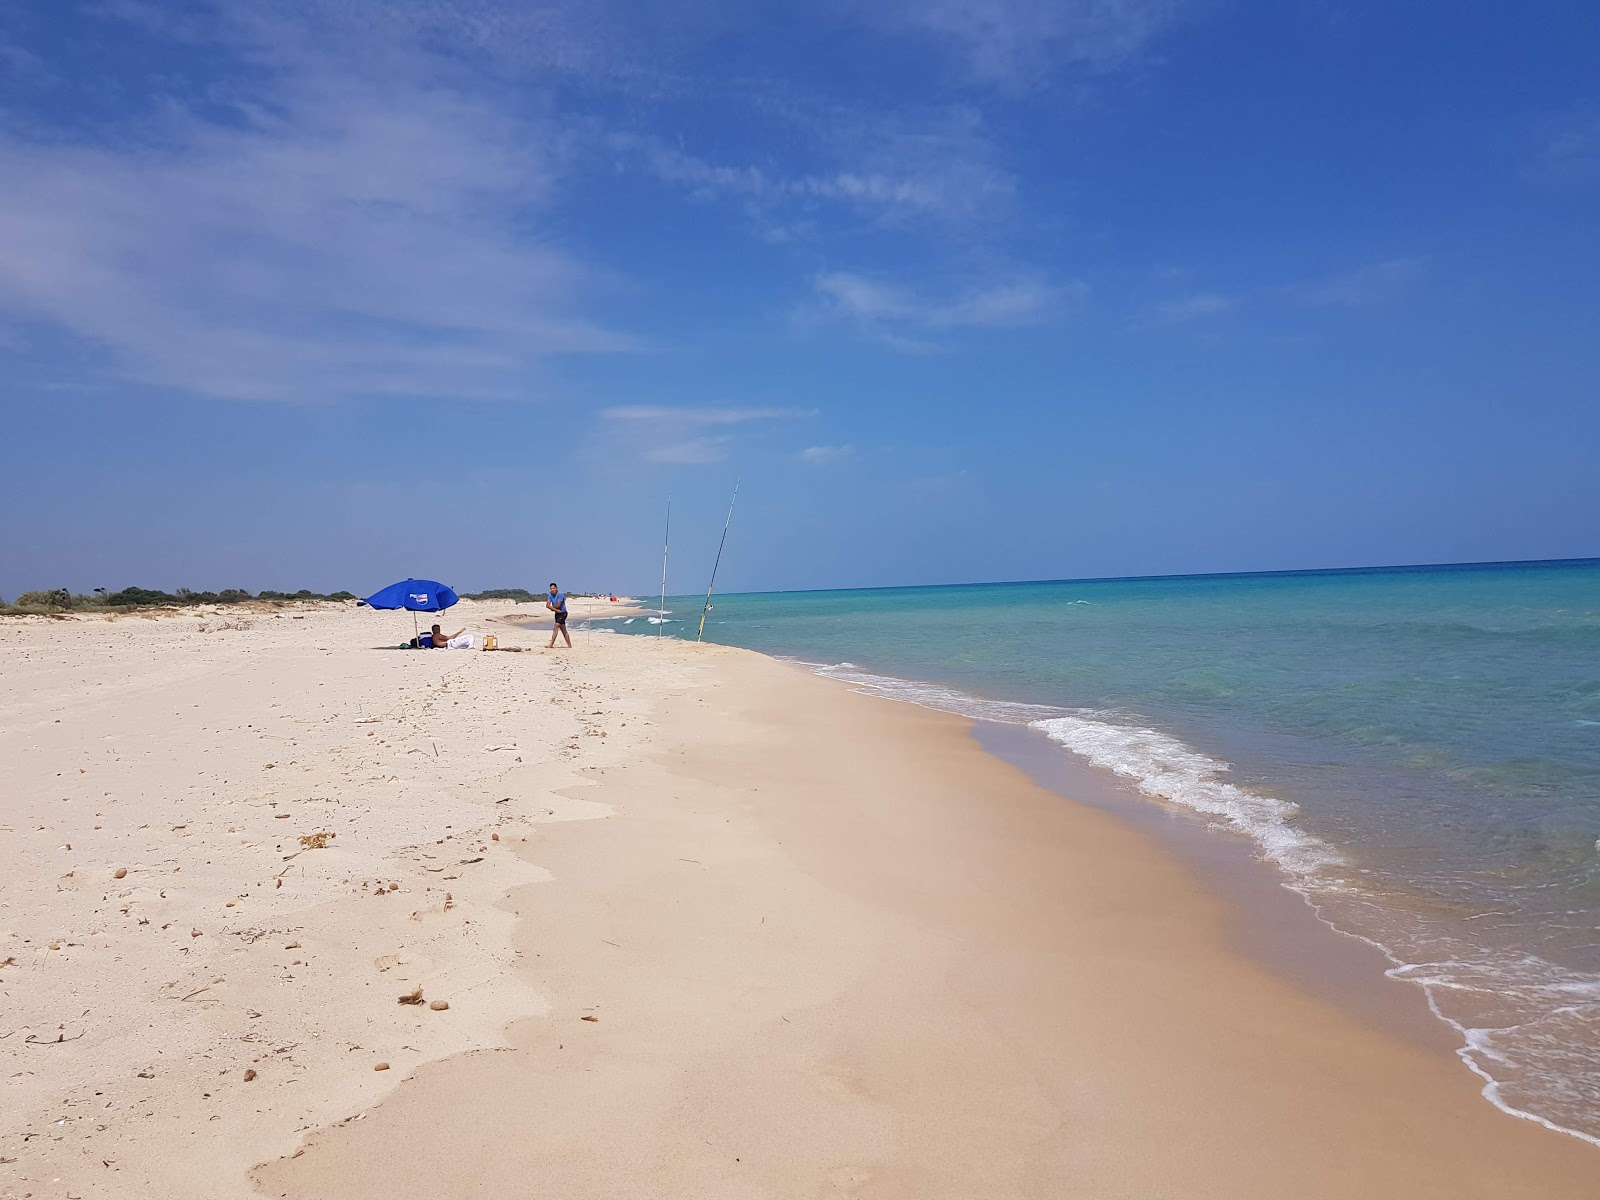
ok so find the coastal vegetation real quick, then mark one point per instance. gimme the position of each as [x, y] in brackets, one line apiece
[61, 600]
[521, 595]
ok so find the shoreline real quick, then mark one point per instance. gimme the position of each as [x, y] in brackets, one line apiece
[1269, 922]
[1452, 1143]
[1241, 855]
[802, 939]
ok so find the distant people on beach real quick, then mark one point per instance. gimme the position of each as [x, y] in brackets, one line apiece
[558, 605]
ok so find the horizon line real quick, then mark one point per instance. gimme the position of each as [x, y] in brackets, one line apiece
[1281, 571]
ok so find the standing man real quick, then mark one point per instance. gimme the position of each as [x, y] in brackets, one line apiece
[558, 605]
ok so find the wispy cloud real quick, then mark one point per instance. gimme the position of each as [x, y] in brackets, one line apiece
[866, 299]
[893, 170]
[665, 414]
[690, 451]
[664, 434]
[19, 62]
[361, 198]
[1569, 152]
[821, 456]
[323, 234]
[1198, 307]
[930, 487]
[1014, 44]
[1369, 285]
[1376, 283]
[904, 319]
[600, 42]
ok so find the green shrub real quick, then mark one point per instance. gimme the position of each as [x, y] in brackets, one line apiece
[133, 596]
[49, 601]
[60, 599]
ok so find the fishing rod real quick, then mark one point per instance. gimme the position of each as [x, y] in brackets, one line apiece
[666, 540]
[701, 635]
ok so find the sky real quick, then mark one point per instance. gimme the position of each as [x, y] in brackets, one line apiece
[327, 293]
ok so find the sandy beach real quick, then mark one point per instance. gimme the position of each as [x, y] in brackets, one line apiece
[680, 921]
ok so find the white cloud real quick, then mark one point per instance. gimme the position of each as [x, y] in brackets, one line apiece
[21, 63]
[936, 168]
[362, 201]
[328, 234]
[866, 299]
[1373, 284]
[1017, 43]
[691, 452]
[663, 434]
[597, 41]
[1378, 283]
[820, 456]
[666, 414]
[1198, 307]
[1006, 305]
[903, 319]
[929, 487]
[1571, 153]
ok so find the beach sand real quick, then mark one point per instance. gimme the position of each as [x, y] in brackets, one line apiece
[707, 926]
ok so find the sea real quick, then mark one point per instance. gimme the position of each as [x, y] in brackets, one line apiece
[1416, 750]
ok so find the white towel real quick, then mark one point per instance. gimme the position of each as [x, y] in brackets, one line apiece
[467, 641]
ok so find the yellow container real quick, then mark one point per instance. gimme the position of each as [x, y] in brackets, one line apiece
[490, 642]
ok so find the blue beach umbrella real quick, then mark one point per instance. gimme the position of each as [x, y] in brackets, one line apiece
[419, 595]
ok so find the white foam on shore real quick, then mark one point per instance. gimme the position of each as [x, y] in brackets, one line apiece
[1549, 1070]
[1164, 768]
[1159, 765]
[933, 695]
[1526, 1064]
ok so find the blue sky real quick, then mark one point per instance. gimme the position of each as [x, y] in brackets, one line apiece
[329, 292]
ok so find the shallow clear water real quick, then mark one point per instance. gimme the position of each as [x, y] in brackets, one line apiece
[1418, 749]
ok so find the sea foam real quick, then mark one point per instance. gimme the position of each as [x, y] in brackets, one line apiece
[1528, 1060]
[1159, 765]
[1163, 767]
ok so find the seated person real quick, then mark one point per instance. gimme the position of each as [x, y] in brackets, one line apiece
[459, 640]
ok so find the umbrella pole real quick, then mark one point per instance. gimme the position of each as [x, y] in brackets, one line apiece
[415, 632]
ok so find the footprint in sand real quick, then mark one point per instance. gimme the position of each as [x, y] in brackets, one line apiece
[388, 962]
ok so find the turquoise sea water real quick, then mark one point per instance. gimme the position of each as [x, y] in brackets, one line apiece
[1417, 749]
